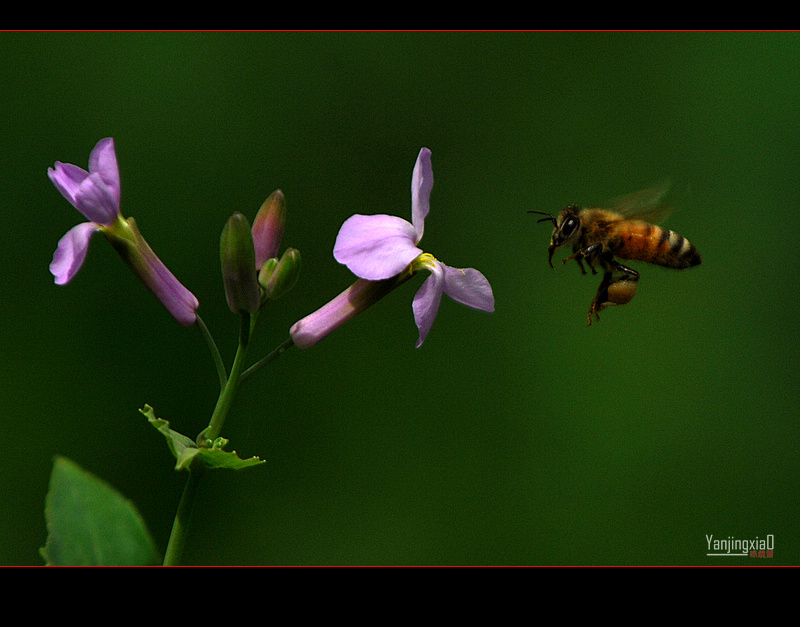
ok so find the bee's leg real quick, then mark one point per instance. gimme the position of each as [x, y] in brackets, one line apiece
[601, 298]
[614, 290]
[578, 256]
[588, 254]
[629, 272]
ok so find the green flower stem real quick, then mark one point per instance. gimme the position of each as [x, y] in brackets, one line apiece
[212, 345]
[280, 350]
[229, 391]
[177, 538]
[180, 526]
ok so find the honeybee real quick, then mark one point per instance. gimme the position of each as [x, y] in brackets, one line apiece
[626, 232]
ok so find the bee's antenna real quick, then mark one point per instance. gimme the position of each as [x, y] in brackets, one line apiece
[550, 217]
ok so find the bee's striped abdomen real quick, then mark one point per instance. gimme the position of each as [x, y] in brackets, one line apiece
[654, 244]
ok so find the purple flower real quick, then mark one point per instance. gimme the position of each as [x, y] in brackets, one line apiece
[382, 248]
[96, 194]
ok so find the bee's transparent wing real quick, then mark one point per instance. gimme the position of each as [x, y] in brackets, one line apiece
[646, 204]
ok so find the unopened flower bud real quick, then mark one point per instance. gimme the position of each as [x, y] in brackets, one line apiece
[268, 227]
[266, 271]
[278, 277]
[237, 258]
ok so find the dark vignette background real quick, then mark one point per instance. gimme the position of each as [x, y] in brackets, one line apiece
[520, 437]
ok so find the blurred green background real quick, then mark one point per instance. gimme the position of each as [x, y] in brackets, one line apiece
[518, 437]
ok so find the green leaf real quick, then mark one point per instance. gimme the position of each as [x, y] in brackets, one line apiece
[89, 523]
[216, 457]
[185, 449]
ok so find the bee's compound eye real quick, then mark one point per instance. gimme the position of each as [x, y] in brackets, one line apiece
[568, 228]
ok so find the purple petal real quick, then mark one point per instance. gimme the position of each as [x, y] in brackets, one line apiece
[421, 186]
[96, 201]
[103, 161]
[96, 193]
[426, 302]
[375, 247]
[67, 178]
[71, 252]
[468, 287]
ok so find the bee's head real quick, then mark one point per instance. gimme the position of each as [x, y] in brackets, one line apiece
[565, 228]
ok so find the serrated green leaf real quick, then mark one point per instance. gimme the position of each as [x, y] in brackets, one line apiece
[182, 447]
[89, 523]
[185, 449]
[216, 457]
